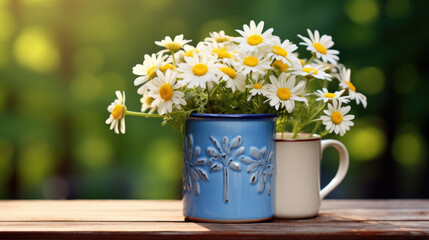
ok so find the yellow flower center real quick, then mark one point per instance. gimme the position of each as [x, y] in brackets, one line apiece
[251, 61]
[329, 95]
[200, 69]
[257, 86]
[351, 86]
[190, 53]
[302, 62]
[320, 48]
[165, 67]
[283, 93]
[309, 70]
[279, 51]
[336, 117]
[166, 91]
[254, 40]
[151, 73]
[280, 65]
[229, 71]
[222, 53]
[117, 111]
[172, 46]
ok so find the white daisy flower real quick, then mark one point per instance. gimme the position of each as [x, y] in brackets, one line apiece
[283, 92]
[252, 38]
[345, 83]
[336, 119]
[257, 88]
[223, 54]
[199, 70]
[167, 66]
[146, 101]
[280, 65]
[253, 63]
[189, 50]
[219, 38]
[117, 111]
[325, 96]
[312, 71]
[173, 45]
[283, 52]
[147, 70]
[320, 46]
[164, 91]
[234, 80]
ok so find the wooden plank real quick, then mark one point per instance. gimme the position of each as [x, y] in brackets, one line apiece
[171, 210]
[148, 219]
[91, 210]
[375, 204]
[274, 230]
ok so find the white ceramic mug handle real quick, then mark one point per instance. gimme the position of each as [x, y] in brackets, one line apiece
[342, 168]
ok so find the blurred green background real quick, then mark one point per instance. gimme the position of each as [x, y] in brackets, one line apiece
[62, 60]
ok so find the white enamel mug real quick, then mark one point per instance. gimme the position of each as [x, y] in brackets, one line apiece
[298, 193]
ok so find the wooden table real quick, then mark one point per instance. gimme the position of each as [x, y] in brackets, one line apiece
[150, 219]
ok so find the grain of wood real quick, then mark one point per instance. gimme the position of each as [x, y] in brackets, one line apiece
[148, 219]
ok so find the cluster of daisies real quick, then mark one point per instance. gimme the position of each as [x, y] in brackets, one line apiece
[257, 67]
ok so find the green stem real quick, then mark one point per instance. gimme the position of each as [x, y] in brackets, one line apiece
[174, 60]
[318, 111]
[285, 120]
[311, 59]
[267, 77]
[247, 80]
[322, 134]
[214, 89]
[208, 97]
[316, 126]
[298, 129]
[140, 114]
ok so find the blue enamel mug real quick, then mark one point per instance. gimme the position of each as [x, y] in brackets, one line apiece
[229, 167]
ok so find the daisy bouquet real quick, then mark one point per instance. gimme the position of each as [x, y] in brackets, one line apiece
[252, 73]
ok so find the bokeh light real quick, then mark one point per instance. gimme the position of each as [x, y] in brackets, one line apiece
[94, 152]
[36, 50]
[371, 80]
[366, 141]
[36, 162]
[362, 11]
[409, 147]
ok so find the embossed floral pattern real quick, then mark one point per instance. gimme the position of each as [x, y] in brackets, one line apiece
[192, 170]
[260, 167]
[223, 157]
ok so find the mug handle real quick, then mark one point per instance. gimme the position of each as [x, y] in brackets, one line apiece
[342, 168]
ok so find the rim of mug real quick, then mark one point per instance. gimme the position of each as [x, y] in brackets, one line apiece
[302, 137]
[233, 116]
